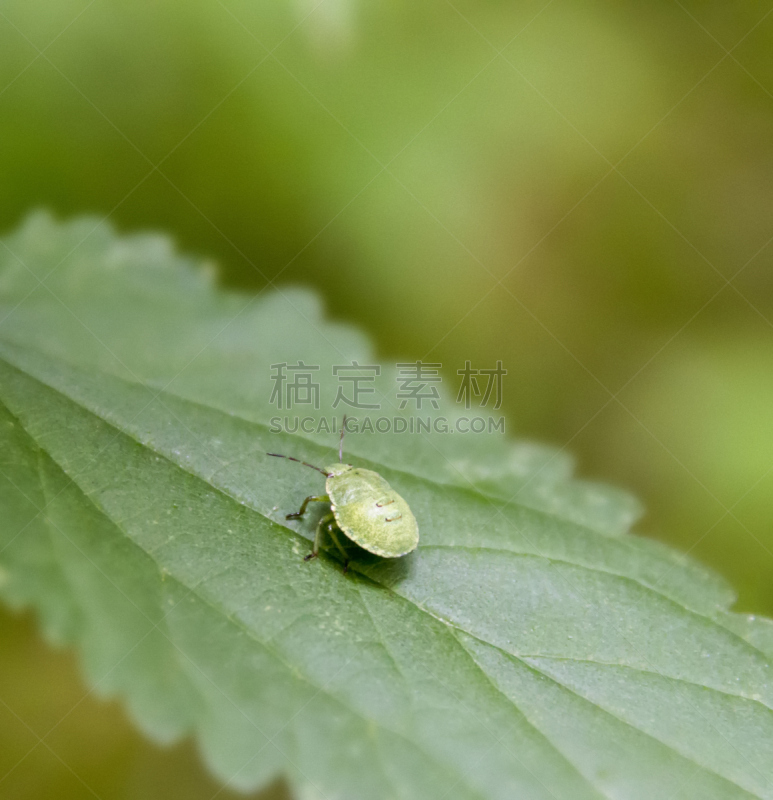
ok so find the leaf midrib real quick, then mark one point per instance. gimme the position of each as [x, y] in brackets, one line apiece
[115, 425]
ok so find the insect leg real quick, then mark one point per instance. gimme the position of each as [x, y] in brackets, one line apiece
[331, 526]
[321, 526]
[312, 498]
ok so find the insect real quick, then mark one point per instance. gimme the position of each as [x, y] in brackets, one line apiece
[363, 506]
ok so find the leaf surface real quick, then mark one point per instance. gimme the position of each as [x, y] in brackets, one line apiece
[531, 647]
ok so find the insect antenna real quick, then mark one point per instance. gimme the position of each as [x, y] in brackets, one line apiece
[305, 463]
[341, 441]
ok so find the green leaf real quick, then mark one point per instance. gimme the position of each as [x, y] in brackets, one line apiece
[529, 648]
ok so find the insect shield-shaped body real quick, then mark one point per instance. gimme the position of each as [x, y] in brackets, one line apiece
[364, 507]
[370, 512]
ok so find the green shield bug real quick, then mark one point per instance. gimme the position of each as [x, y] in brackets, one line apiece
[364, 507]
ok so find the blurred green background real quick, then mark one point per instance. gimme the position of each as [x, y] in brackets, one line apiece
[580, 189]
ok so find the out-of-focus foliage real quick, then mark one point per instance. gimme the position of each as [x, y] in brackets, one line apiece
[706, 411]
[387, 154]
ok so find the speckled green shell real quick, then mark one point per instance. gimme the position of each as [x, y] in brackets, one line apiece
[370, 512]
